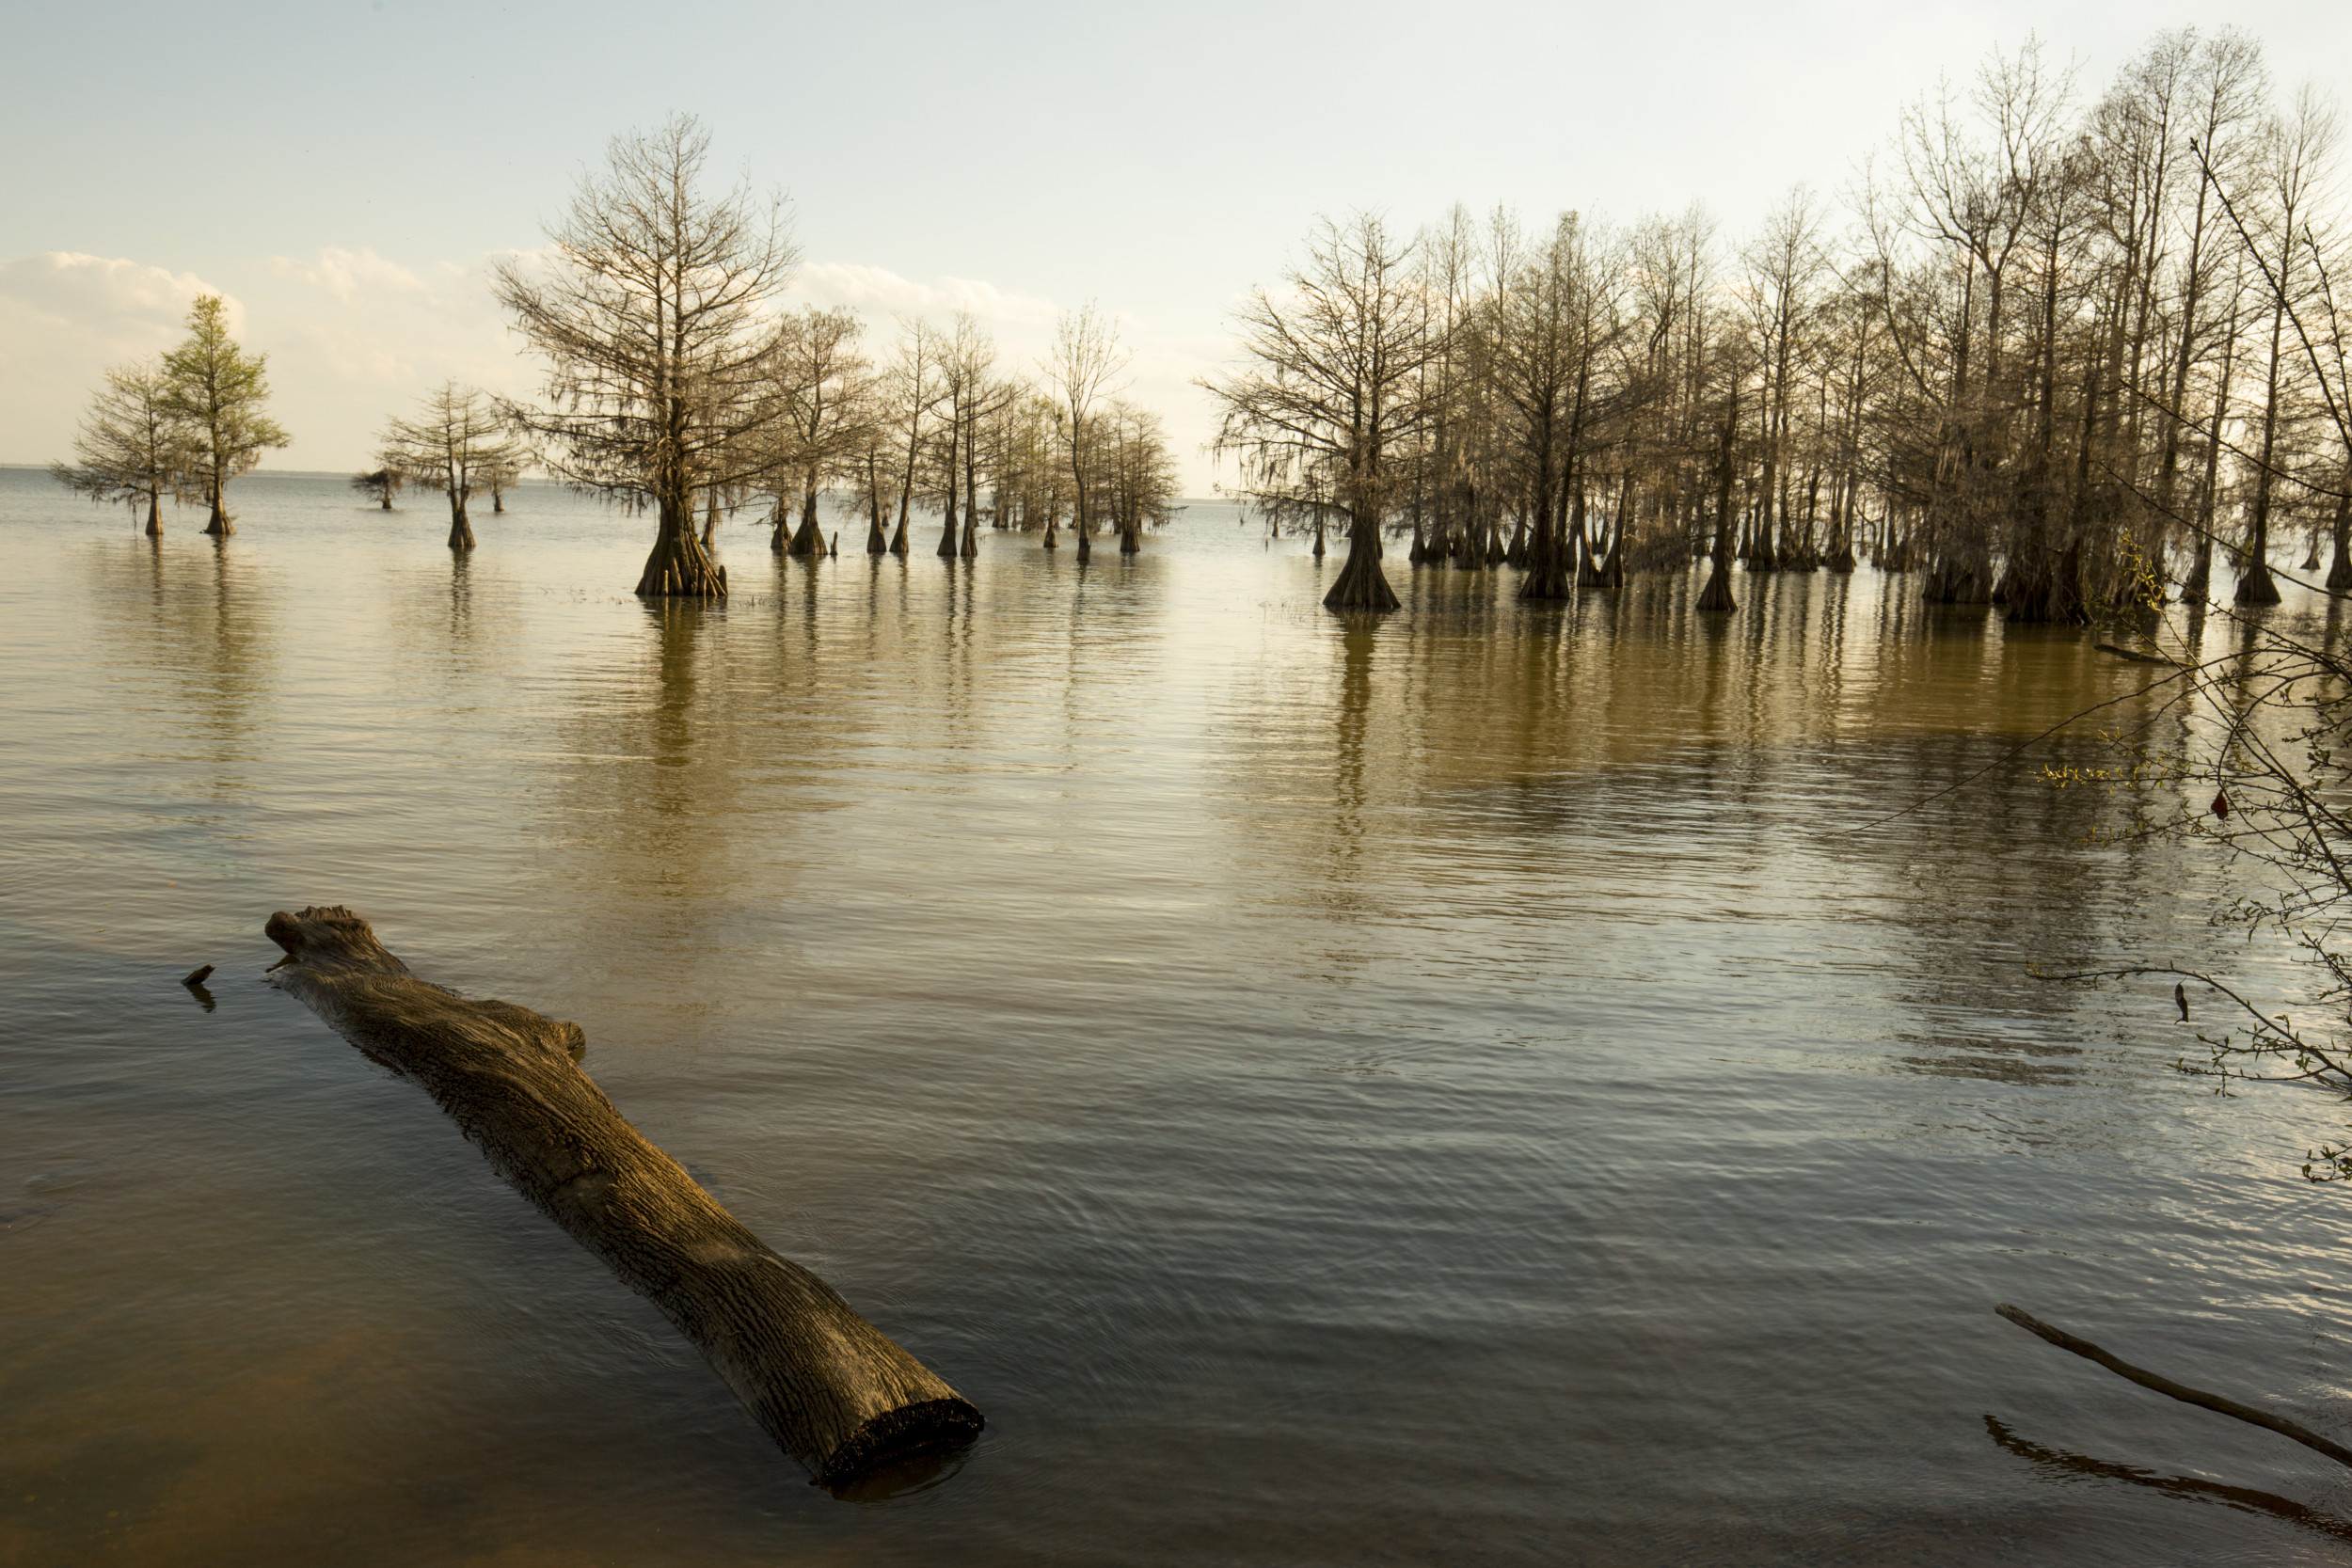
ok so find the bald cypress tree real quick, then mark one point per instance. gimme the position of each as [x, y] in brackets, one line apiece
[131, 446]
[654, 317]
[1329, 388]
[216, 392]
[454, 444]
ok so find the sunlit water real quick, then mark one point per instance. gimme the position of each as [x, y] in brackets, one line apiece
[1456, 1091]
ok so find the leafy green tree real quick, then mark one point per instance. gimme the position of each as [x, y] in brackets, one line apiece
[131, 446]
[217, 392]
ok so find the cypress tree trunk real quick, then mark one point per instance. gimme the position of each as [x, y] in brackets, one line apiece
[1052, 541]
[809, 540]
[971, 535]
[1085, 547]
[155, 519]
[2197, 588]
[1318, 552]
[2339, 573]
[776, 533]
[875, 543]
[460, 530]
[2256, 586]
[898, 540]
[679, 567]
[218, 526]
[1550, 560]
[1361, 584]
[1717, 596]
[1419, 552]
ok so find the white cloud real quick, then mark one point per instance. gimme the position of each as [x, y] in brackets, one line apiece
[348, 274]
[106, 300]
[66, 317]
[878, 289]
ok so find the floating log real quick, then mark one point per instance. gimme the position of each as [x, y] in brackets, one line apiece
[2181, 1391]
[831, 1388]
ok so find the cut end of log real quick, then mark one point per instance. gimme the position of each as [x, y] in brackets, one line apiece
[899, 1439]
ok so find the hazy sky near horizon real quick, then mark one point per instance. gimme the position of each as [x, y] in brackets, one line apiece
[346, 172]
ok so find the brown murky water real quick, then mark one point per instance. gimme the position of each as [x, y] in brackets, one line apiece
[1454, 1092]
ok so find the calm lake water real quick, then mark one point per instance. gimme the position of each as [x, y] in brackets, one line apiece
[1458, 1091]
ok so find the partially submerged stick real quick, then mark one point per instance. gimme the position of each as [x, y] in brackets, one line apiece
[2166, 1386]
[833, 1391]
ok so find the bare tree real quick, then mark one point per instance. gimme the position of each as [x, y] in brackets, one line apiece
[1328, 389]
[131, 447]
[215, 391]
[501, 475]
[2297, 149]
[910, 389]
[1086, 361]
[456, 439]
[653, 317]
[825, 388]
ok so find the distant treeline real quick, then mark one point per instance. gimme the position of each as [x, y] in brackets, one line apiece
[2048, 351]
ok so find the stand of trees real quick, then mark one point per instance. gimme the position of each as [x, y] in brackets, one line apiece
[671, 377]
[2044, 359]
[183, 428]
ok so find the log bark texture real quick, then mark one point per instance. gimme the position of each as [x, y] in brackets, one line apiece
[831, 1388]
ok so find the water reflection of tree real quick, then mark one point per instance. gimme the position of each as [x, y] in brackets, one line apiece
[1633, 751]
[190, 629]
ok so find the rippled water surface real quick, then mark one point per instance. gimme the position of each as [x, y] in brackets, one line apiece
[1458, 1091]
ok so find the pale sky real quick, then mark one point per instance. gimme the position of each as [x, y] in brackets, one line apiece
[344, 171]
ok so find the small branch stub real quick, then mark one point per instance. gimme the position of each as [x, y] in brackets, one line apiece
[831, 1388]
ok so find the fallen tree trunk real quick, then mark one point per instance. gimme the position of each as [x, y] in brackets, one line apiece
[833, 1391]
[2181, 1391]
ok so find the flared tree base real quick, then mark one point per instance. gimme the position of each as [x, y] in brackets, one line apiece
[681, 568]
[1362, 585]
[806, 540]
[875, 543]
[460, 533]
[1717, 596]
[2257, 586]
